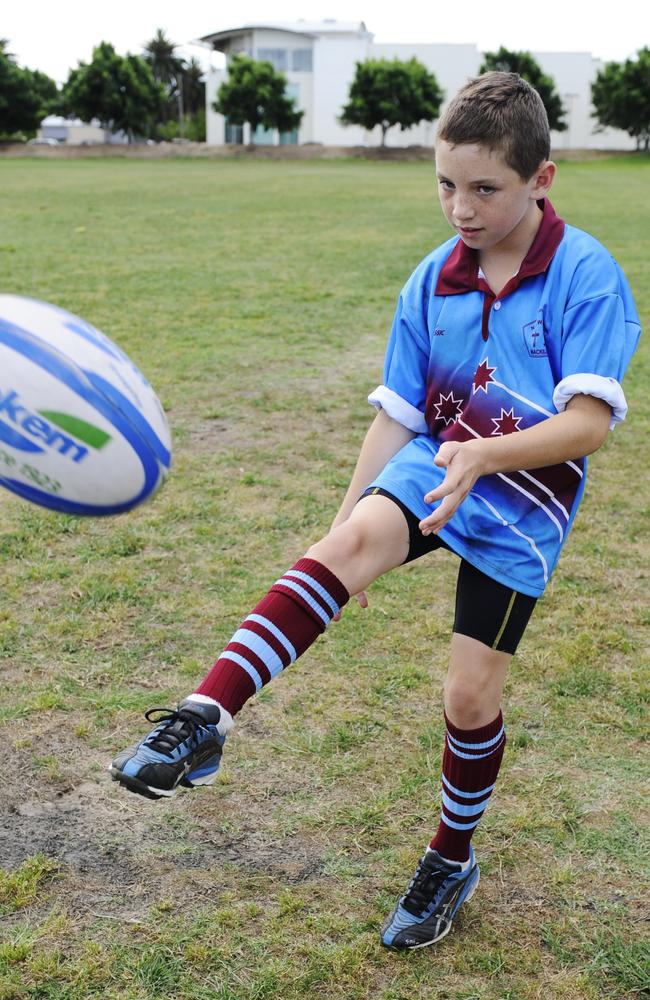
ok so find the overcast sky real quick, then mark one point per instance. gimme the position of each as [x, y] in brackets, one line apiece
[54, 37]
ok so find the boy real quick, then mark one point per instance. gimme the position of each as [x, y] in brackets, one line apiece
[502, 371]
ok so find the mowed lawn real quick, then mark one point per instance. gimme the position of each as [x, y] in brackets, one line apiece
[257, 298]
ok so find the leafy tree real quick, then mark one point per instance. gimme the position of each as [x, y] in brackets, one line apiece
[26, 96]
[196, 130]
[193, 128]
[621, 97]
[388, 92]
[46, 91]
[120, 91]
[255, 93]
[528, 67]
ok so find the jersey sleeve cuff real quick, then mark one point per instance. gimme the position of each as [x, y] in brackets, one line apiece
[607, 389]
[398, 409]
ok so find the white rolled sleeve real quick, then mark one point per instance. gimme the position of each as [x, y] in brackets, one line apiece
[398, 409]
[600, 386]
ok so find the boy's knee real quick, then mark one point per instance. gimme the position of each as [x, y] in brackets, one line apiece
[464, 703]
[474, 683]
[346, 543]
[472, 698]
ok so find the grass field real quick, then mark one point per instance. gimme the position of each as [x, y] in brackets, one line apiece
[257, 298]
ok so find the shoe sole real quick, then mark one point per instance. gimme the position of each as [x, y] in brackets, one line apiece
[139, 787]
[205, 779]
[426, 944]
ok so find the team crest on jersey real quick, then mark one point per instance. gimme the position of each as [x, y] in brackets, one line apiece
[534, 338]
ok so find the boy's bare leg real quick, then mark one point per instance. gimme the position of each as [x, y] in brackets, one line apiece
[474, 683]
[448, 874]
[373, 540]
[185, 747]
[302, 603]
[474, 743]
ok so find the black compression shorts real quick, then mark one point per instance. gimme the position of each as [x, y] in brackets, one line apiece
[486, 610]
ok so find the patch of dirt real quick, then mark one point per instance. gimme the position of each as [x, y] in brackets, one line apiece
[119, 854]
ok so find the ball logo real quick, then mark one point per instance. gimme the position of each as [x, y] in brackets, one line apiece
[46, 428]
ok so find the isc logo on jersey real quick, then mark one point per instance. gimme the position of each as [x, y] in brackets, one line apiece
[81, 430]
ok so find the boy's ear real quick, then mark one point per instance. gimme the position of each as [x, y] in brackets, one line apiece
[543, 179]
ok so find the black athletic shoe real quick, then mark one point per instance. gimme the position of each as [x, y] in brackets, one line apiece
[184, 749]
[425, 914]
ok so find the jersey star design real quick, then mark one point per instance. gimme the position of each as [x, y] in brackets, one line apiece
[507, 423]
[448, 408]
[483, 377]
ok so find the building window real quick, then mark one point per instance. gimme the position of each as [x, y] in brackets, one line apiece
[234, 133]
[263, 136]
[301, 61]
[292, 91]
[278, 57]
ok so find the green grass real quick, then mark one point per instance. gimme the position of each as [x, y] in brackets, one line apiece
[257, 298]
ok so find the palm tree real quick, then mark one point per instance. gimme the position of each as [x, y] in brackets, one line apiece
[166, 66]
[193, 87]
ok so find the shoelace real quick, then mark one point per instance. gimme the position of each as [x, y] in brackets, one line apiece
[424, 887]
[181, 725]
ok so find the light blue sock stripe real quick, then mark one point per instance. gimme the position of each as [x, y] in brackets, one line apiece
[274, 630]
[307, 598]
[467, 795]
[468, 756]
[460, 810]
[261, 648]
[249, 668]
[476, 746]
[458, 826]
[315, 585]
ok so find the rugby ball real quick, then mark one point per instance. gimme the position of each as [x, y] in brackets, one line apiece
[81, 429]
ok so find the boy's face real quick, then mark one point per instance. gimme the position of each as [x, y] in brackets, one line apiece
[485, 200]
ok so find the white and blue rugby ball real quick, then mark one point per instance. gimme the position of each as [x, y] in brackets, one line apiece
[81, 429]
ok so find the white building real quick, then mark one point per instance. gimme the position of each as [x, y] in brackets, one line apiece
[74, 132]
[318, 59]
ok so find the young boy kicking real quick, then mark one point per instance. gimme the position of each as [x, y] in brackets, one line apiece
[503, 370]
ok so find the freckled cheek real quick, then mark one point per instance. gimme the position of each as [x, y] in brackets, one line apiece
[447, 207]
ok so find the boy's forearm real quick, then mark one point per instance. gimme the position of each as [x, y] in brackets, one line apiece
[384, 439]
[578, 431]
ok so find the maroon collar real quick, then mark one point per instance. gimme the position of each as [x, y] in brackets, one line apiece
[460, 271]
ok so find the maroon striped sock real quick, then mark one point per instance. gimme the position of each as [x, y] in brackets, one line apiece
[298, 607]
[470, 765]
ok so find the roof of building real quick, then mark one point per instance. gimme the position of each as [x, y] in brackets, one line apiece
[58, 120]
[330, 26]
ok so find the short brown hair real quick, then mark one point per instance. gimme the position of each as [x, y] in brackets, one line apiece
[503, 112]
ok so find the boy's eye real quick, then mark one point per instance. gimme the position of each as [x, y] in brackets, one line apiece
[447, 185]
[486, 189]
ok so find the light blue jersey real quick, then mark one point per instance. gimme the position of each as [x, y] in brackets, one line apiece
[463, 363]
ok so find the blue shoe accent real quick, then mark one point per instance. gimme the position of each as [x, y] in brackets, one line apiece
[426, 912]
[202, 774]
[184, 749]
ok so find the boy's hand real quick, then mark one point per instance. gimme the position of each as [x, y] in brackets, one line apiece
[363, 602]
[464, 464]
